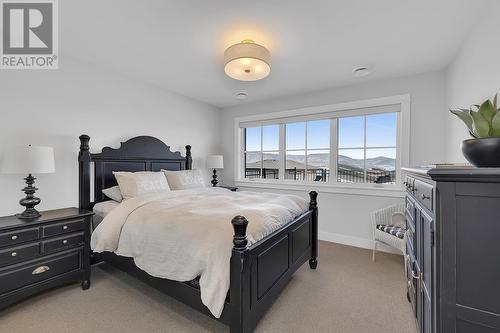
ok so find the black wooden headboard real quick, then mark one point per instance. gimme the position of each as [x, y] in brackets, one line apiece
[142, 153]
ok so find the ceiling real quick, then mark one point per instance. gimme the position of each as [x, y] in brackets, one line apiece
[179, 45]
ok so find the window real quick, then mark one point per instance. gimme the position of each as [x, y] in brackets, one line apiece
[358, 146]
[262, 152]
[307, 149]
[367, 149]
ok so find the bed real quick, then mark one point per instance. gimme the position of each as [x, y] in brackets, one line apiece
[258, 271]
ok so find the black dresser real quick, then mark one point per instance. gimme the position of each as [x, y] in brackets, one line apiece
[453, 248]
[51, 250]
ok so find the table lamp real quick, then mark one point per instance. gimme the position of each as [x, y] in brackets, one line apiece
[28, 160]
[215, 162]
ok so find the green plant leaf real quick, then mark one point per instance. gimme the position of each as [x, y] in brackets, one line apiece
[488, 111]
[480, 125]
[495, 99]
[495, 125]
[465, 116]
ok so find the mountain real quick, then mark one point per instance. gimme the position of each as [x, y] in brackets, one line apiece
[322, 160]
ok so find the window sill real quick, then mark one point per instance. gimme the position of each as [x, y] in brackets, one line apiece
[377, 190]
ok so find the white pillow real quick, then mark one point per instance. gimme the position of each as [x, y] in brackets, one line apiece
[133, 184]
[113, 193]
[185, 179]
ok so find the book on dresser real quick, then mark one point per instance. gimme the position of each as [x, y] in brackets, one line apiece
[453, 248]
[42, 253]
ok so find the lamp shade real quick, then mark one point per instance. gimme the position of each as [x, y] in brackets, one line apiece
[27, 160]
[247, 61]
[215, 162]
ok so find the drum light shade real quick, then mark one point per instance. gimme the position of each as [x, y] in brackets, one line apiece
[247, 61]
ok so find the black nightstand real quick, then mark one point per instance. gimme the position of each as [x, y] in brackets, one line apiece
[230, 188]
[43, 253]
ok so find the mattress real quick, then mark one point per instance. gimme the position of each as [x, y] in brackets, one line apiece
[101, 209]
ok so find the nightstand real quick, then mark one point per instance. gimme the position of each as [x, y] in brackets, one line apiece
[230, 188]
[43, 253]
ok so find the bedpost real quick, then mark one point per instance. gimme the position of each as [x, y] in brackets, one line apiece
[313, 206]
[84, 173]
[189, 160]
[237, 281]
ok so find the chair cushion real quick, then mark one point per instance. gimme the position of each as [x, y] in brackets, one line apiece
[393, 230]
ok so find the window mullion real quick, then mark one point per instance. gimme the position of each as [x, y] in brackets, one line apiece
[305, 151]
[333, 150]
[364, 150]
[261, 151]
[282, 152]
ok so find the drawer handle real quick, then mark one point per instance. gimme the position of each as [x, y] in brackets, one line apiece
[65, 227]
[13, 254]
[65, 241]
[14, 237]
[40, 270]
[424, 197]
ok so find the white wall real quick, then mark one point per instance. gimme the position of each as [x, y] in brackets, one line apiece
[54, 107]
[345, 218]
[473, 76]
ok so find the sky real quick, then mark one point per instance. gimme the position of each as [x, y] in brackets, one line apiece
[380, 132]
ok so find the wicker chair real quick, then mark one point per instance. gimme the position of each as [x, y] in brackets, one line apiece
[389, 227]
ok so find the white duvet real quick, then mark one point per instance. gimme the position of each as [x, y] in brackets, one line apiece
[180, 235]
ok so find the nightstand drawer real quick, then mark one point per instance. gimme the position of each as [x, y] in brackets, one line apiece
[38, 271]
[62, 242]
[63, 228]
[20, 253]
[18, 236]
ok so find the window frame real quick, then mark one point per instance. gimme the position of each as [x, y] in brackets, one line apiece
[348, 109]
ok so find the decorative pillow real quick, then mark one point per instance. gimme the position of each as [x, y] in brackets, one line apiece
[185, 179]
[113, 193]
[133, 184]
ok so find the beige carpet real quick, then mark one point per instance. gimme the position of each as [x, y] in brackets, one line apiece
[347, 293]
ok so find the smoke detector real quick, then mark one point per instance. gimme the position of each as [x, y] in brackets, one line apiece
[241, 95]
[361, 71]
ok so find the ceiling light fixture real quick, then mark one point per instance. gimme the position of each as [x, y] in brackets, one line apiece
[247, 61]
[361, 71]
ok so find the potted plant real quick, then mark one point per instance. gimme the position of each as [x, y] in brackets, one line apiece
[483, 122]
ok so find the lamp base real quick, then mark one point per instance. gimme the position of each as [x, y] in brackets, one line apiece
[214, 179]
[29, 214]
[30, 201]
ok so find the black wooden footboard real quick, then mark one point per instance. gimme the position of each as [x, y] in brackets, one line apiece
[261, 271]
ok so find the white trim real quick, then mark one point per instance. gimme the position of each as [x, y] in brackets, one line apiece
[393, 191]
[402, 147]
[355, 241]
[339, 107]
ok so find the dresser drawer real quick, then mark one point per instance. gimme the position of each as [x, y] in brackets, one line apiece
[19, 253]
[18, 236]
[37, 271]
[62, 243]
[424, 194]
[63, 228]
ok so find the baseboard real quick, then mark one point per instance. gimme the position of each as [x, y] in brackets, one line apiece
[354, 241]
